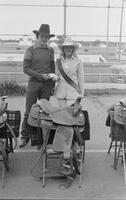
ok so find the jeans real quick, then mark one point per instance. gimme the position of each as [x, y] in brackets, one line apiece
[35, 90]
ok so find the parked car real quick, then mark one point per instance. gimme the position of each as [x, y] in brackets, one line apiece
[122, 54]
[118, 73]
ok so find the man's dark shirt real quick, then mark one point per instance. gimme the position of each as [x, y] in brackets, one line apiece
[38, 60]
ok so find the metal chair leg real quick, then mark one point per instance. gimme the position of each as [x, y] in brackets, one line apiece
[3, 174]
[124, 163]
[110, 146]
[6, 144]
[83, 151]
[46, 132]
[81, 165]
[43, 172]
[115, 156]
[118, 154]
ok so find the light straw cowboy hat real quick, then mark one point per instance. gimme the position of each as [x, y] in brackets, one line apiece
[44, 30]
[68, 42]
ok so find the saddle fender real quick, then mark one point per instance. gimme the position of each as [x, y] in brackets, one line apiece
[61, 116]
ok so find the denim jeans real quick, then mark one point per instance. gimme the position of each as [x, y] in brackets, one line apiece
[35, 90]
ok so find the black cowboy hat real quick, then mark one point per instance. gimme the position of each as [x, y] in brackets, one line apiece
[44, 30]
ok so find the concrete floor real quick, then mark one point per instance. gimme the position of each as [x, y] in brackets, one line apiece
[99, 181]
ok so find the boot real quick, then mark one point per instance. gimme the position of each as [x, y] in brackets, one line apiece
[69, 180]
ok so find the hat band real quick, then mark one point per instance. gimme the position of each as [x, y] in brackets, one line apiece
[43, 33]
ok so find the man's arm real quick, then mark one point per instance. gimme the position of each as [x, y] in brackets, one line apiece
[27, 70]
[27, 65]
[52, 66]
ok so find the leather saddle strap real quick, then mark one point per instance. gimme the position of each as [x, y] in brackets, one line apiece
[13, 134]
[78, 136]
[38, 127]
[67, 78]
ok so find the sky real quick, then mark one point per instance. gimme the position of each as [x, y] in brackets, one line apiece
[28, 15]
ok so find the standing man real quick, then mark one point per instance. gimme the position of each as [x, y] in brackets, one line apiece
[38, 63]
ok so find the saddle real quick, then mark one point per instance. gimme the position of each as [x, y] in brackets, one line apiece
[116, 119]
[3, 115]
[63, 116]
[66, 119]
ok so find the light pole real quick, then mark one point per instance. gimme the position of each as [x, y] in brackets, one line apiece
[108, 22]
[65, 5]
[121, 23]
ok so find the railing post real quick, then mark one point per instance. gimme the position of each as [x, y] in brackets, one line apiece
[108, 24]
[120, 35]
[65, 6]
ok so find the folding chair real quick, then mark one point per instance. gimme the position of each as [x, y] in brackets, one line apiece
[6, 146]
[8, 139]
[53, 118]
[4, 161]
[3, 169]
[40, 168]
[117, 145]
[118, 137]
[50, 153]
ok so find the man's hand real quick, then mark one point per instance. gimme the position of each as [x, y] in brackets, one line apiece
[45, 76]
[58, 60]
[80, 97]
[53, 76]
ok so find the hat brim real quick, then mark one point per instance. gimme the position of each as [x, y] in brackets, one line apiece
[37, 33]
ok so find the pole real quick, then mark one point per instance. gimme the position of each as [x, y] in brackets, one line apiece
[108, 23]
[121, 22]
[65, 2]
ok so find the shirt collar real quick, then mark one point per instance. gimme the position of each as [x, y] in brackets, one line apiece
[72, 58]
[38, 45]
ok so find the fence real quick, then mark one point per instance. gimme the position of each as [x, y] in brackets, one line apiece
[20, 77]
